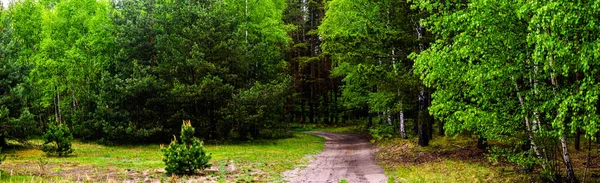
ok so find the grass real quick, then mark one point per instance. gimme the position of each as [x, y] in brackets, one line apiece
[260, 160]
[349, 129]
[447, 159]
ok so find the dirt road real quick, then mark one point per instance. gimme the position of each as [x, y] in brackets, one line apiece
[346, 157]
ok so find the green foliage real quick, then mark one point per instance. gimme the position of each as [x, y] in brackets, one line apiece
[187, 156]
[382, 132]
[368, 41]
[521, 158]
[524, 69]
[16, 121]
[57, 140]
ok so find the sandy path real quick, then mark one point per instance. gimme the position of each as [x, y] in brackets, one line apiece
[346, 157]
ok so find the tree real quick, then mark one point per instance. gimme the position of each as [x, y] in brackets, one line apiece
[370, 52]
[187, 156]
[16, 121]
[484, 48]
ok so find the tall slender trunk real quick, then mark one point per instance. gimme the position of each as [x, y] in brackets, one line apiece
[571, 177]
[388, 117]
[423, 121]
[336, 116]
[441, 128]
[578, 130]
[578, 139]
[370, 117]
[59, 112]
[311, 106]
[402, 128]
[567, 160]
[527, 122]
[326, 107]
[246, 26]
[302, 111]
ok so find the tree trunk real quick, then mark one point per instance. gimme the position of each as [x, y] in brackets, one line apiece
[402, 128]
[578, 139]
[389, 117]
[527, 122]
[482, 142]
[302, 111]
[326, 107]
[311, 106]
[441, 128]
[563, 139]
[567, 160]
[423, 129]
[370, 118]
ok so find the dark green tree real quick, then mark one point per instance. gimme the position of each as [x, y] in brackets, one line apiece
[16, 121]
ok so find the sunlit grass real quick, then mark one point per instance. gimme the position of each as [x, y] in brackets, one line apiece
[5, 177]
[445, 171]
[268, 156]
[447, 159]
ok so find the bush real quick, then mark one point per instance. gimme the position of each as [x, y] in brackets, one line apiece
[57, 140]
[382, 131]
[187, 156]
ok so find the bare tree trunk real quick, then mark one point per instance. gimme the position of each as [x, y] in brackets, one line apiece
[578, 139]
[389, 117]
[563, 139]
[527, 123]
[587, 160]
[567, 160]
[302, 111]
[402, 128]
[424, 134]
[441, 128]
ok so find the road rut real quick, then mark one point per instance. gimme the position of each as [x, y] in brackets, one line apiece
[347, 157]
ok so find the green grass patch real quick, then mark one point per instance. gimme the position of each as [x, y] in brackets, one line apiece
[444, 171]
[447, 159]
[269, 156]
[349, 129]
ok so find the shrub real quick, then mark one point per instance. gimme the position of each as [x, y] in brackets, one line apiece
[187, 156]
[57, 140]
[382, 131]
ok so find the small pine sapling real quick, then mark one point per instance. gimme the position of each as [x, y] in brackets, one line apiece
[57, 140]
[187, 156]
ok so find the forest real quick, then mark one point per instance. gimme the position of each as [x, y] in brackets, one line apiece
[521, 78]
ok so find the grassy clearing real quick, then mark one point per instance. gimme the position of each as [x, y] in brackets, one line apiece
[260, 160]
[349, 129]
[447, 159]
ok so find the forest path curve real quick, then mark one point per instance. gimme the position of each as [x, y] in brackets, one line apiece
[347, 157]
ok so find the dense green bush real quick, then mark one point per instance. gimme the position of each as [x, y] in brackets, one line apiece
[57, 140]
[382, 131]
[185, 156]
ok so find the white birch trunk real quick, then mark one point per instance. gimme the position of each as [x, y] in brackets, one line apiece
[389, 118]
[402, 128]
[571, 177]
[527, 125]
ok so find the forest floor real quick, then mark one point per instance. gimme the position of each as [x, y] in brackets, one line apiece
[258, 161]
[347, 157]
[457, 159]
